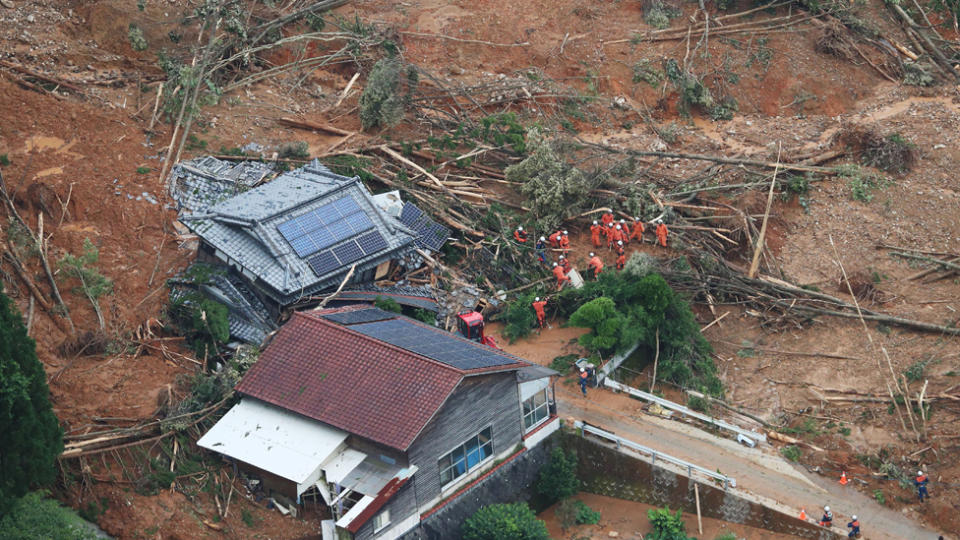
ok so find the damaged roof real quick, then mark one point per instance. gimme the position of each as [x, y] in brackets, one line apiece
[300, 232]
[357, 369]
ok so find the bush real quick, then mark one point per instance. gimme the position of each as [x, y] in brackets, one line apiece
[862, 183]
[586, 515]
[137, 40]
[387, 94]
[791, 452]
[564, 363]
[31, 437]
[387, 304]
[893, 153]
[36, 516]
[643, 71]
[917, 74]
[515, 521]
[726, 536]
[519, 319]
[92, 283]
[558, 478]
[666, 525]
[294, 150]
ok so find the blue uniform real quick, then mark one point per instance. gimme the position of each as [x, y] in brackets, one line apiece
[541, 248]
[854, 527]
[921, 483]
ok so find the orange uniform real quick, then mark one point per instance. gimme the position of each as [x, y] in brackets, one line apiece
[638, 229]
[541, 314]
[561, 276]
[611, 235]
[624, 232]
[595, 231]
[621, 234]
[520, 235]
[621, 260]
[565, 243]
[662, 234]
[565, 264]
[607, 218]
[555, 239]
[596, 265]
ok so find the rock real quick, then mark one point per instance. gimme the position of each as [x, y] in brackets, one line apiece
[30, 18]
[613, 534]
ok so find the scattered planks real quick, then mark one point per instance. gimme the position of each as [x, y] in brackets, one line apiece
[59, 83]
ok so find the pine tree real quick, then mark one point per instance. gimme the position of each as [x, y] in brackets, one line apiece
[31, 437]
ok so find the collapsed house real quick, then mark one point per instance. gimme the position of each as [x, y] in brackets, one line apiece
[382, 417]
[282, 241]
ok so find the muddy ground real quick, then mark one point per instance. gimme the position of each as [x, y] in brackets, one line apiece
[93, 150]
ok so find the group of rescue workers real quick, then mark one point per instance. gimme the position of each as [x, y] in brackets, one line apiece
[826, 520]
[615, 235]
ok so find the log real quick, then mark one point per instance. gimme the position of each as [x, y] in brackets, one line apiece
[314, 126]
[777, 436]
[945, 264]
[42, 77]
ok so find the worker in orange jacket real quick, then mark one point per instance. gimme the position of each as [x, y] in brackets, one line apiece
[621, 234]
[624, 232]
[621, 260]
[607, 218]
[595, 265]
[560, 275]
[520, 235]
[638, 229]
[538, 307]
[555, 239]
[611, 236]
[595, 230]
[662, 232]
[564, 263]
[565, 242]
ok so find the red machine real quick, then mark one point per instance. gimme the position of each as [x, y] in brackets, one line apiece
[471, 327]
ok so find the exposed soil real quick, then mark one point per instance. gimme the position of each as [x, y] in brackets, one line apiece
[76, 158]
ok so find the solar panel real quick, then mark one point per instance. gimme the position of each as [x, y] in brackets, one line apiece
[360, 316]
[372, 242]
[429, 233]
[359, 222]
[348, 252]
[303, 246]
[325, 226]
[435, 344]
[323, 263]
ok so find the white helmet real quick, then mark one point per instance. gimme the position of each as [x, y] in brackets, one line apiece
[619, 242]
[537, 299]
[584, 369]
[564, 232]
[519, 227]
[542, 239]
[636, 218]
[659, 220]
[825, 508]
[854, 517]
[562, 257]
[919, 473]
[619, 228]
[594, 222]
[554, 264]
[622, 220]
[592, 254]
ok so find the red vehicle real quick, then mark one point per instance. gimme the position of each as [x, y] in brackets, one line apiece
[471, 327]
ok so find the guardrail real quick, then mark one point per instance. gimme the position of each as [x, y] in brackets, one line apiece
[585, 428]
[667, 404]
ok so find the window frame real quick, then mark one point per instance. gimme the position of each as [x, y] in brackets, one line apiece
[545, 407]
[383, 524]
[460, 456]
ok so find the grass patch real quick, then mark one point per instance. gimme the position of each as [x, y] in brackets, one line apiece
[791, 452]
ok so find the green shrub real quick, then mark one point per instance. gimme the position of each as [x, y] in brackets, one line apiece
[558, 477]
[586, 515]
[137, 40]
[515, 521]
[143, 170]
[791, 452]
[4, 160]
[605, 323]
[862, 183]
[35, 516]
[699, 404]
[519, 319]
[726, 536]
[643, 71]
[294, 150]
[387, 94]
[917, 74]
[879, 496]
[564, 363]
[893, 153]
[666, 525]
[91, 283]
[387, 304]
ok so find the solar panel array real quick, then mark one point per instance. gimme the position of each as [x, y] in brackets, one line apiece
[360, 316]
[346, 253]
[435, 344]
[430, 234]
[323, 227]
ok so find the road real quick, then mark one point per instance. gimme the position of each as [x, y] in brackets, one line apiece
[760, 472]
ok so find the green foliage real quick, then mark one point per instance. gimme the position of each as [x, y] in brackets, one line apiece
[425, 316]
[553, 188]
[643, 71]
[143, 170]
[503, 129]
[893, 153]
[387, 94]
[586, 515]
[196, 143]
[519, 319]
[32, 438]
[247, 518]
[558, 477]
[914, 373]
[726, 536]
[693, 93]
[879, 496]
[563, 364]
[862, 183]
[762, 55]
[917, 73]
[642, 306]
[658, 14]
[724, 110]
[799, 184]
[4, 160]
[36, 516]
[571, 512]
[210, 327]
[93, 284]
[294, 150]
[136, 37]
[387, 304]
[808, 428]
[515, 521]
[350, 166]
[699, 404]
[93, 509]
[666, 525]
[791, 452]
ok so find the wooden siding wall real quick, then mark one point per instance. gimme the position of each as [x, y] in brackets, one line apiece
[401, 506]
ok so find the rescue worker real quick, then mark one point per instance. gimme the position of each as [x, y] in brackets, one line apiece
[607, 219]
[621, 234]
[621, 260]
[827, 519]
[611, 236]
[555, 239]
[921, 483]
[565, 242]
[624, 232]
[662, 233]
[541, 249]
[538, 307]
[620, 250]
[595, 265]
[638, 229]
[595, 230]
[564, 263]
[560, 275]
[854, 527]
[584, 377]
[520, 235]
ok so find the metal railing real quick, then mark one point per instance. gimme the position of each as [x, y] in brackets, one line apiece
[667, 404]
[585, 428]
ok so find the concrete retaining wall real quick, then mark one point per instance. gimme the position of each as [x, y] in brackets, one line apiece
[607, 471]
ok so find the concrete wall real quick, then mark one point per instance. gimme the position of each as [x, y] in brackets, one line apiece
[607, 471]
[514, 481]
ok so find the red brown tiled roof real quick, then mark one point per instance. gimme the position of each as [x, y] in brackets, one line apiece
[353, 382]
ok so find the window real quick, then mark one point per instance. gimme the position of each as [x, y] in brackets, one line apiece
[535, 409]
[381, 520]
[465, 457]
